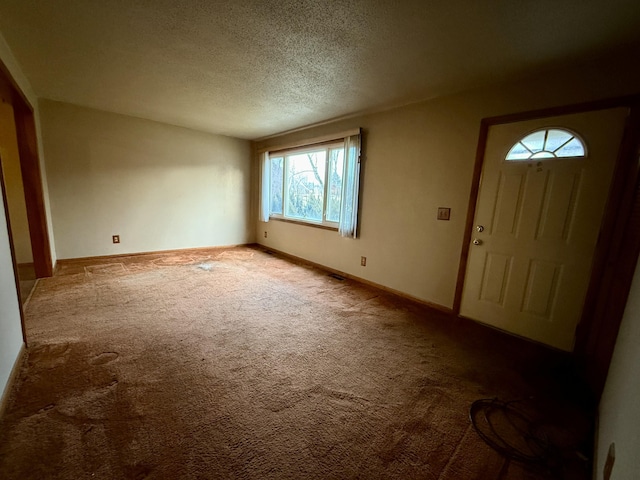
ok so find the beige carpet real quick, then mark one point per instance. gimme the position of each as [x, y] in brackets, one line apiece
[234, 363]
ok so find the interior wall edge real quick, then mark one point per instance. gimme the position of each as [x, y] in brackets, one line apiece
[157, 186]
[72, 260]
[45, 100]
[15, 370]
[15, 70]
[364, 281]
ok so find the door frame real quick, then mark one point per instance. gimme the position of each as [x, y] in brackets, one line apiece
[615, 255]
[27, 138]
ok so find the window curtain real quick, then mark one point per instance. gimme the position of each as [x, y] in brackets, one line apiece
[265, 198]
[351, 186]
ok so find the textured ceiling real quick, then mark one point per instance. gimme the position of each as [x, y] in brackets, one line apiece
[251, 68]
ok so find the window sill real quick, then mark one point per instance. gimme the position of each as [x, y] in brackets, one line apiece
[304, 224]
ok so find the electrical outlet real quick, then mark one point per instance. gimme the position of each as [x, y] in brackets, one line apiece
[265, 234]
[363, 261]
[116, 238]
[444, 213]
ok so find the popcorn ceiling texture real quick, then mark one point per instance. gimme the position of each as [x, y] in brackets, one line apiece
[250, 68]
[234, 364]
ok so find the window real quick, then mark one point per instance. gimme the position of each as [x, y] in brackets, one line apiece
[315, 183]
[306, 184]
[547, 143]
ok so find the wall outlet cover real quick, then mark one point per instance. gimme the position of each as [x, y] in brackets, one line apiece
[444, 213]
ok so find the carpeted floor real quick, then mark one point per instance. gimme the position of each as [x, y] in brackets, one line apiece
[233, 363]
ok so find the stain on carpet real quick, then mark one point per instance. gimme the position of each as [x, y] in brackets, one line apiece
[207, 267]
[49, 355]
[104, 357]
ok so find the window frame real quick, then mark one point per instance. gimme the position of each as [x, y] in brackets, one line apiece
[285, 154]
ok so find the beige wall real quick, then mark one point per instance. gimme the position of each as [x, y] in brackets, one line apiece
[14, 186]
[619, 421]
[158, 186]
[416, 159]
[10, 329]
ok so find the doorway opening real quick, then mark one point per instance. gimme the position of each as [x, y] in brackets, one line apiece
[23, 190]
[15, 200]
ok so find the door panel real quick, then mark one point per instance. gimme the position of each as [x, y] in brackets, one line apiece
[530, 269]
[558, 205]
[495, 278]
[541, 288]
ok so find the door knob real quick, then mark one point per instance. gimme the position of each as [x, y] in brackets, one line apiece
[480, 228]
[477, 241]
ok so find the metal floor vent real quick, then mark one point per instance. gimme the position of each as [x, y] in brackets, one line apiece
[336, 276]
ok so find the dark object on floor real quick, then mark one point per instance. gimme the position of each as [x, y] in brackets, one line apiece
[517, 431]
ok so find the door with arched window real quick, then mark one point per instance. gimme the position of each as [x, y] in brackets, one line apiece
[539, 210]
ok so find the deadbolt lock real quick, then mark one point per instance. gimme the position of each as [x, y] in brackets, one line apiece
[480, 228]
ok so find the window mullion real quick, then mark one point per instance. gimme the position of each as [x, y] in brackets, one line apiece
[284, 179]
[325, 200]
[285, 185]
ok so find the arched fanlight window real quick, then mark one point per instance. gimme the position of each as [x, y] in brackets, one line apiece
[547, 143]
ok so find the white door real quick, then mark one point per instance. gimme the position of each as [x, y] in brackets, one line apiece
[537, 222]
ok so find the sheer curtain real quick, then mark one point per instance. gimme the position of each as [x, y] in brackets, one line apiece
[348, 226]
[265, 188]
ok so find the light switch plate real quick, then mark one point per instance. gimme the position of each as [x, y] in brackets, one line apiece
[444, 213]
